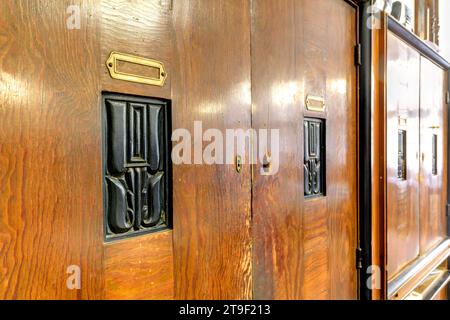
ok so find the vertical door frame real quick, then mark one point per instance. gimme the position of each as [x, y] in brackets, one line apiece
[365, 148]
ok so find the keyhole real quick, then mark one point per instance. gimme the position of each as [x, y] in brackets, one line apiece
[238, 164]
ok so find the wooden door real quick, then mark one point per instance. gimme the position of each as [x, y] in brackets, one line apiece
[51, 205]
[50, 177]
[212, 206]
[304, 247]
[402, 153]
[54, 82]
[53, 73]
[433, 148]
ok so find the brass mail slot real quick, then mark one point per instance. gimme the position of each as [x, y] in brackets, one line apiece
[314, 103]
[113, 65]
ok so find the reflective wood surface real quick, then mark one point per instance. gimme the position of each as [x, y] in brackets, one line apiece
[403, 83]
[305, 248]
[433, 185]
[212, 203]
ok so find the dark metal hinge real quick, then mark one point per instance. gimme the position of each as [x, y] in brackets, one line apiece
[359, 258]
[447, 211]
[358, 59]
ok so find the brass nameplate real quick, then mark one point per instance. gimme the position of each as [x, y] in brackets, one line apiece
[314, 103]
[113, 65]
[402, 121]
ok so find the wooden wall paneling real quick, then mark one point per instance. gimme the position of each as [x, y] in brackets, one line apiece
[50, 165]
[277, 200]
[433, 187]
[403, 82]
[139, 268]
[305, 249]
[342, 139]
[142, 28]
[212, 213]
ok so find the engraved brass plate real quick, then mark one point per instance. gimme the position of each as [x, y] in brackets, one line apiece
[115, 57]
[314, 103]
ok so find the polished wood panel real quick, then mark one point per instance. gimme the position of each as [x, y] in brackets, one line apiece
[212, 214]
[50, 152]
[433, 188]
[138, 27]
[305, 248]
[51, 204]
[140, 268]
[403, 82]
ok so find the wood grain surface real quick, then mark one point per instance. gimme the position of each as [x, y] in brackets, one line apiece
[211, 83]
[403, 96]
[305, 249]
[50, 151]
[50, 160]
[140, 268]
[433, 187]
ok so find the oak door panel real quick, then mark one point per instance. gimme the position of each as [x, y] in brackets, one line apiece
[305, 248]
[50, 151]
[51, 214]
[212, 203]
[433, 172]
[138, 27]
[140, 268]
[403, 82]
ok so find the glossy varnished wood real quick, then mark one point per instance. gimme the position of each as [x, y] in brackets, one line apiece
[211, 83]
[50, 151]
[142, 28]
[305, 249]
[51, 205]
[403, 83]
[433, 188]
[139, 268]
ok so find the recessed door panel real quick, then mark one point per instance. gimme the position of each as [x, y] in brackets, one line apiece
[304, 229]
[50, 137]
[433, 145]
[212, 202]
[402, 147]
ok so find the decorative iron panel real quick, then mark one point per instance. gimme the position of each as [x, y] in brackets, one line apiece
[136, 165]
[314, 157]
[434, 170]
[401, 166]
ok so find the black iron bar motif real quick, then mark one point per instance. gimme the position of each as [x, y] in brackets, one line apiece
[136, 167]
[314, 157]
[434, 169]
[401, 167]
